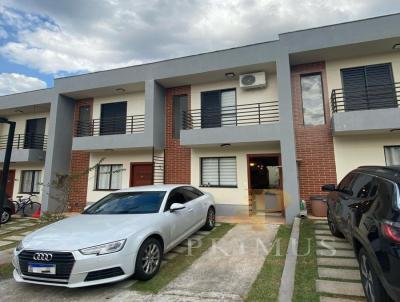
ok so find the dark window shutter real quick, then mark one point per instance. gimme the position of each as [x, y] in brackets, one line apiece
[210, 109]
[354, 88]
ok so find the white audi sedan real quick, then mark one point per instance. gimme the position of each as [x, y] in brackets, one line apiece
[126, 233]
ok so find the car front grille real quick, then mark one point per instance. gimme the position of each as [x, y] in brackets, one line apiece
[64, 262]
[104, 274]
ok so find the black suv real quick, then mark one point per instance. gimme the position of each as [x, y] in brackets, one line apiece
[365, 209]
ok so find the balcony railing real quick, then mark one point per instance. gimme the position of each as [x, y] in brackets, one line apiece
[239, 115]
[372, 97]
[110, 126]
[25, 141]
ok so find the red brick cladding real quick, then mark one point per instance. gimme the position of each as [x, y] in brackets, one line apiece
[177, 158]
[79, 164]
[314, 144]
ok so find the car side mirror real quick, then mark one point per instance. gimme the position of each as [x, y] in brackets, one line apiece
[328, 188]
[176, 207]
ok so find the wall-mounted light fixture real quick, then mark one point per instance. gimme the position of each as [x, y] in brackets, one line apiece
[225, 145]
[230, 75]
[120, 90]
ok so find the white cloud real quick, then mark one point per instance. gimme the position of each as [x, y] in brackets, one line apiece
[69, 36]
[15, 82]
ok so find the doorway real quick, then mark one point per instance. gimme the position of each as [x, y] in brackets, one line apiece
[10, 182]
[141, 174]
[265, 183]
[34, 133]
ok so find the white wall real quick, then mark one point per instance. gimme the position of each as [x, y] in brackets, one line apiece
[115, 157]
[135, 105]
[236, 196]
[352, 151]
[20, 120]
[260, 95]
[19, 167]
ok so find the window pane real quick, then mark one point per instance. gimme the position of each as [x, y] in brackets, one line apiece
[103, 177]
[27, 177]
[362, 186]
[227, 168]
[116, 177]
[392, 155]
[36, 185]
[228, 102]
[313, 100]
[209, 172]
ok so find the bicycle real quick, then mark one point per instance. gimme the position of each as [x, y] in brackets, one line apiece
[26, 206]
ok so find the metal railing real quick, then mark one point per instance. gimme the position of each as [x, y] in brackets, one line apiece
[110, 126]
[26, 141]
[372, 97]
[238, 115]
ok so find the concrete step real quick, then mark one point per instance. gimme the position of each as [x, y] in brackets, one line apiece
[333, 245]
[341, 274]
[339, 288]
[336, 253]
[329, 237]
[330, 299]
[337, 262]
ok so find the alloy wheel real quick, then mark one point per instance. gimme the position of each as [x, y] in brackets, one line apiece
[151, 258]
[5, 217]
[367, 279]
[211, 217]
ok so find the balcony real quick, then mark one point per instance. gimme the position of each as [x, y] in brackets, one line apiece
[28, 147]
[121, 132]
[256, 122]
[374, 109]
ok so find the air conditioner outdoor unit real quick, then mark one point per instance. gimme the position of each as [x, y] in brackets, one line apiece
[253, 80]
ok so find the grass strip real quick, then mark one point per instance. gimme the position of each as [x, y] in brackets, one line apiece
[180, 263]
[266, 286]
[306, 268]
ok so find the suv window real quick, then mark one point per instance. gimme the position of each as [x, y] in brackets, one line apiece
[345, 184]
[362, 185]
[176, 196]
[190, 193]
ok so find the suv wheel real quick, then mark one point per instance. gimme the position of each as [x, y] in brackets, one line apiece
[148, 259]
[332, 225]
[372, 286]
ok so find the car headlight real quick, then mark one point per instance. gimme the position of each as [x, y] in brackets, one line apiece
[19, 247]
[107, 248]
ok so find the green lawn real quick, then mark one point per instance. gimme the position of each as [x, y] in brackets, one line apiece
[266, 286]
[176, 266]
[306, 268]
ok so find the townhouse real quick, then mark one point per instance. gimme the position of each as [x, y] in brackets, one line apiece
[260, 126]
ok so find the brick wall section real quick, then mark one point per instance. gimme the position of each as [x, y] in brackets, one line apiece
[314, 144]
[177, 158]
[79, 164]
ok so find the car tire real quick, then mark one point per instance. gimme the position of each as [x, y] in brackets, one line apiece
[6, 216]
[210, 221]
[332, 225]
[148, 259]
[373, 289]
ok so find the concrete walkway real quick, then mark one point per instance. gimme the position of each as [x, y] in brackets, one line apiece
[223, 273]
[337, 267]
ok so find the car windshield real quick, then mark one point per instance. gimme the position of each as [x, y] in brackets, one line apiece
[128, 203]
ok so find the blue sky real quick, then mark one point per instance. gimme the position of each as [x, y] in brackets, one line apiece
[43, 39]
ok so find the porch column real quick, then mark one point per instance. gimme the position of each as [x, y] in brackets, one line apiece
[155, 113]
[58, 153]
[288, 143]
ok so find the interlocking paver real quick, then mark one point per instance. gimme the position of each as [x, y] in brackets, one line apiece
[339, 288]
[4, 243]
[337, 262]
[323, 232]
[336, 253]
[341, 274]
[321, 227]
[331, 238]
[14, 238]
[14, 228]
[330, 299]
[333, 245]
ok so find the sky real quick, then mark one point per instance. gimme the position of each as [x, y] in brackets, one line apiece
[44, 39]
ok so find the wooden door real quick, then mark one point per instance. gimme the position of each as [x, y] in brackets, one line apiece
[141, 174]
[10, 182]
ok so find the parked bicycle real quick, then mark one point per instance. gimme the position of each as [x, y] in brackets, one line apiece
[26, 206]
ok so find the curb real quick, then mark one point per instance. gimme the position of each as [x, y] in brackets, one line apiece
[288, 275]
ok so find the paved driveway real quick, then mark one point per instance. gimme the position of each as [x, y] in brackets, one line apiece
[224, 273]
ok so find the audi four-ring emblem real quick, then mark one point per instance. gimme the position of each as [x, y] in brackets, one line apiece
[42, 256]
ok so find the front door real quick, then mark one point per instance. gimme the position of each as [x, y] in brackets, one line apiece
[34, 133]
[141, 174]
[10, 182]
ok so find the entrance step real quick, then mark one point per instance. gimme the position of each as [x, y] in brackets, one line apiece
[337, 262]
[339, 288]
[331, 238]
[336, 253]
[331, 244]
[341, 274]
